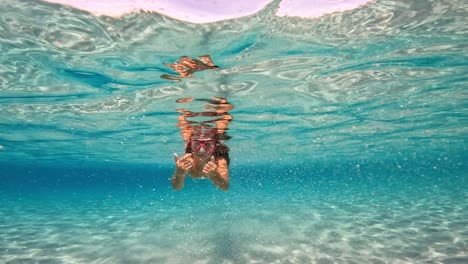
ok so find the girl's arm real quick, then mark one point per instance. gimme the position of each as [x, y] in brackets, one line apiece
[178, 179]
[182, 166]
[221, 177]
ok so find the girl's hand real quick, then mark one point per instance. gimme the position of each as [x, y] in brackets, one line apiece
[210, 168]
[183, 164]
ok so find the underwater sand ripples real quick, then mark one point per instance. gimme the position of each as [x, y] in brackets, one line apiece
[296, 219]
[298, 226]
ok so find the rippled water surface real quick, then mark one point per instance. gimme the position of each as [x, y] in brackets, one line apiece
[384, 78]
[347, 136]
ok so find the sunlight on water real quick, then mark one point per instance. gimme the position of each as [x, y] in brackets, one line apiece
[387, 77]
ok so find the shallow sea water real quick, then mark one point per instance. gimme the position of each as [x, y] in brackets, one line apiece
[311, 218]
[348, 137]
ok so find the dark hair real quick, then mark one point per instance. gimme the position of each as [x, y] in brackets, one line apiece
[221, 151]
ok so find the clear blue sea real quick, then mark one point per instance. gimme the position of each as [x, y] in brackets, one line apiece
[347, 140]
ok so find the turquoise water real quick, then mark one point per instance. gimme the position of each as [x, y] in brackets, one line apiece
[347, 138]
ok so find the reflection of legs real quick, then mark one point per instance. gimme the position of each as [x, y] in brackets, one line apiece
[184, 100]
[220, 106]
[181, 69]
[206, 59]
[184, 69]
[170, 77]
[217, 104]
[186, 66]
[223, 123]
[186, 129]
[215, 100]
[216, 107]
[188, 63]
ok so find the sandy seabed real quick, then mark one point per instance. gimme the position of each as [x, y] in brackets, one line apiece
[262, 227]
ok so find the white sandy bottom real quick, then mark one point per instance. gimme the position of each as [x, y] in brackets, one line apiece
[236, 229]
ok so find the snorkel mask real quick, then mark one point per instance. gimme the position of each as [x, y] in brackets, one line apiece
[203, 141]
[203, 146]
